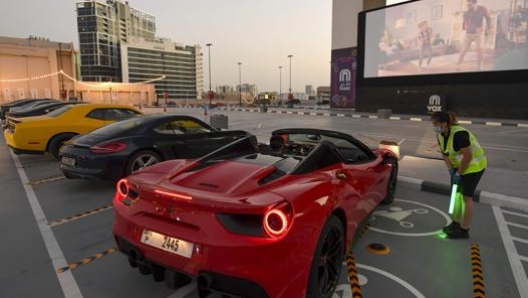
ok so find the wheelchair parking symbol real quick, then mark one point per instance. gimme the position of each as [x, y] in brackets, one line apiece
[398, 214]
[411, 216]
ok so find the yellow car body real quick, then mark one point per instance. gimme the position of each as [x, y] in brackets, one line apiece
[40, 134]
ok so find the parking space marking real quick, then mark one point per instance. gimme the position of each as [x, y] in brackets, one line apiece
[68, 284]
[353, 276]
[39, 164]
[402, 282]
[516, 265]
[399, 214]
[476, 268]
[74, 265]
[184, 291]
[78, 216]
[48, 179]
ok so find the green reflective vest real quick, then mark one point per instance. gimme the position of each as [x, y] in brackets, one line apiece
[478, 158]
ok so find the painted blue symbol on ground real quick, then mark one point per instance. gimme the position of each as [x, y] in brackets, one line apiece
[398, 214]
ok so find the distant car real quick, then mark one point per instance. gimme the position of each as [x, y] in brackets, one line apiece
[121, 148]
[47, 133]
[42, 108]
[252, 224]
[4, 108]
[292, 102]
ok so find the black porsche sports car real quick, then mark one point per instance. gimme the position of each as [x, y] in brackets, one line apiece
[118, 149]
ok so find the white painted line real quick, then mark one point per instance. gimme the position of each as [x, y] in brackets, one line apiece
[523, 258]
[515, 262]
[340, 115]
[69, 286]
[184, 291]
[326, 114]
[515, 213]
[402, 282]
[289, 112]
[416, 119]
[465, 122]
[312, 114]
[512, 131]
[395, 118]
[522, 125]
[519, 239]
[356, 116]
[373, 117]
[502, 200]
[400, 142]
[511, 224]
[493, 123]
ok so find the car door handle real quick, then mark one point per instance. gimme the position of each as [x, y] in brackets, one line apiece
[341, 176]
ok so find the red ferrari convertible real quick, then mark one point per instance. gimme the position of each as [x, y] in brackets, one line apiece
[250, 220]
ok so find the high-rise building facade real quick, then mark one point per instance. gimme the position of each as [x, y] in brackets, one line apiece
[144, 59]
[118, 43]
[102, 27]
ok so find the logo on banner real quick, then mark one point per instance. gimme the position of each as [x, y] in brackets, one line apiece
[345, 79]
[435, 104]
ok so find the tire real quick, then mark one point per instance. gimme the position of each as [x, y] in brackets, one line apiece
[140, 160]
[391, 185]
[57, 142]
[327, 261]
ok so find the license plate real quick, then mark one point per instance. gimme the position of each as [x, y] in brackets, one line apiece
[166, 243]
[68, 161]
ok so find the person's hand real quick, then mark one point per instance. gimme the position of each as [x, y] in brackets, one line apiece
[456, 178]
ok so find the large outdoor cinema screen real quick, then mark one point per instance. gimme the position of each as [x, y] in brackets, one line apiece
[443, 37]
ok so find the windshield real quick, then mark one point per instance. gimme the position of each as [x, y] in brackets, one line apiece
[60, 111]
[119, 127]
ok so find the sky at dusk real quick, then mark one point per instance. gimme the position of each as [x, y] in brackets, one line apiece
[258, 33]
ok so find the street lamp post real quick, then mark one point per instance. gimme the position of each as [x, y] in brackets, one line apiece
[209, 94]
[280, 85]
[240, 82]
[290, 97]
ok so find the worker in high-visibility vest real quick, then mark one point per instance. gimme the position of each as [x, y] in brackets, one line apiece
[466, 162]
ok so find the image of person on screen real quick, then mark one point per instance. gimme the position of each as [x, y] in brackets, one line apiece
[473, 24]
[426, 49]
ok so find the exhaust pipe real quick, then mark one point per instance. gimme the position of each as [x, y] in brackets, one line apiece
[205, 281]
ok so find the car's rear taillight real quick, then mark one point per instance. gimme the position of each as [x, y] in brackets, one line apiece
[277, 220]
[110, 147]
[124, 194]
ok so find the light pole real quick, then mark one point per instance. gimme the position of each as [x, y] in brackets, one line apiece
[280, 85]
[240, 83]
[290, 97]
[209, 94]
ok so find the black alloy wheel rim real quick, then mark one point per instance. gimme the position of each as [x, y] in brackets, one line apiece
[330, 261]
[143, 161]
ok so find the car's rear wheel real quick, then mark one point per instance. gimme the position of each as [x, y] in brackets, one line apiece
[57, 142]
[140, 160]
[327, 261]
[391, 185]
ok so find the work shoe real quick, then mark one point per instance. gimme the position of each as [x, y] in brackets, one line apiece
[451, 226]
[458, 233]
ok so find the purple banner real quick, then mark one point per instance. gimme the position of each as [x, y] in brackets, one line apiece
[343, 80]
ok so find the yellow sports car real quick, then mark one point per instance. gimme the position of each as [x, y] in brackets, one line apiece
[37, 135]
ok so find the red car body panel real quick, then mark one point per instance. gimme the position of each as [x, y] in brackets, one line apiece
[281, 266]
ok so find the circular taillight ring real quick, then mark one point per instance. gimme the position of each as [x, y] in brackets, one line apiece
[122, 188]
[275, 222]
